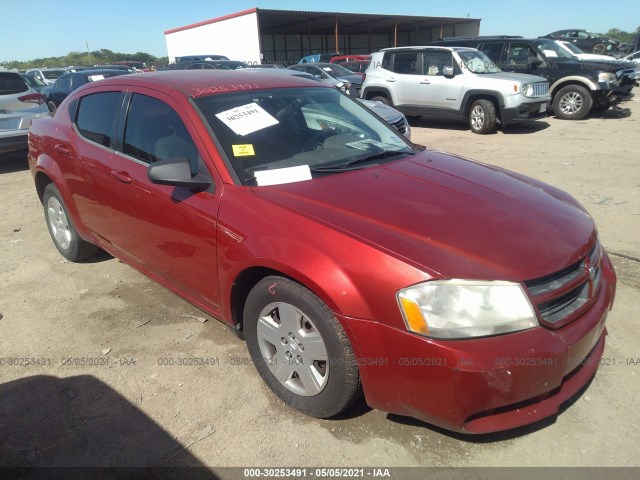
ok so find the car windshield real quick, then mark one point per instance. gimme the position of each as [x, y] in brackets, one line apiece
[552, 50]
[572, 48]
[478, 62]
[291, 134]
[33, 81]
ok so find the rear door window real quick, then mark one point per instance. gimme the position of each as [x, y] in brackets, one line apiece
[96, 116]
[406, 63]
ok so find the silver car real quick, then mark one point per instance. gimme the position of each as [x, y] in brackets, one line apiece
[47, 75]
[19, 104]
[389, 114]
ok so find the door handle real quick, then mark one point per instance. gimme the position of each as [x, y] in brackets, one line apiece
[121, 176]
[60, 149]
[425, 82]
[390, 79]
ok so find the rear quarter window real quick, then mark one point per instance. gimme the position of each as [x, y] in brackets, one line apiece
[10, 84]
[96, 116]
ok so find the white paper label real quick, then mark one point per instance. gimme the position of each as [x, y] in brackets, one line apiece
[93, 78]
[283, 175]
[247, 119]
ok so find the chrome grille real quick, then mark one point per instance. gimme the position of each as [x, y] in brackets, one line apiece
[540, 89]
[400, 125]
[559, 297]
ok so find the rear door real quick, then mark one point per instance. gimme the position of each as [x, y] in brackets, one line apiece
[169, 232]
[83, 154]
[404, 77]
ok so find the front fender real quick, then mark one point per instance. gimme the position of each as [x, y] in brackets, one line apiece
[354, 279]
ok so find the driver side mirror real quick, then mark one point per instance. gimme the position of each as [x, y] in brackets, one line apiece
[448, 72]
[177, 172]
[534, 61]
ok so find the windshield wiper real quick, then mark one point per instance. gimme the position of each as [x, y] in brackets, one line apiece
[355, 162]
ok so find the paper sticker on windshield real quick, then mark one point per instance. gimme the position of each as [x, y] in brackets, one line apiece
[283, 175]
[93, 78]
[243, 150]
[366, 143]
[247, 119]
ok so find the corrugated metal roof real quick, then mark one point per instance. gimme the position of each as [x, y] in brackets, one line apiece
[302, 21]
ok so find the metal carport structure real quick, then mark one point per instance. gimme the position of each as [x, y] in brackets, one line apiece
[284, 36]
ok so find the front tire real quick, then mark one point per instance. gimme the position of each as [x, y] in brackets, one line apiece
[482, 117]
[572, 102]
[63, 233]
[299, 348]
[382, 99]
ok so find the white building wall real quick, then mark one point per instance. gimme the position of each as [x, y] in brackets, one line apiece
[236, 38]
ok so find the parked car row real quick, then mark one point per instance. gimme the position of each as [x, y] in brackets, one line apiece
[353, 262]
[55, 93]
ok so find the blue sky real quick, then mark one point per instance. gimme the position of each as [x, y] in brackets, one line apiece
[50, 28]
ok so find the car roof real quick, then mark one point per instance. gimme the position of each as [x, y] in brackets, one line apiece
[425, 47]
[199, 83]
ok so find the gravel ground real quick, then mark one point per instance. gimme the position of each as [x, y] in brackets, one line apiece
[124, 408]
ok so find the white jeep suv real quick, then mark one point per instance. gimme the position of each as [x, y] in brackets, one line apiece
[454, 82]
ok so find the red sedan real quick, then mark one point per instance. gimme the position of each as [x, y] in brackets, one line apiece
[352, 261]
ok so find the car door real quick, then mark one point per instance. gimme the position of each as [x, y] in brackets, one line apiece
[404, 77]
[518, 58]
[435, 90]
[83, 154]
[169, 232]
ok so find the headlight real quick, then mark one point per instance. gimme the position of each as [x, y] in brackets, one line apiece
[606, 77]
[466, 308]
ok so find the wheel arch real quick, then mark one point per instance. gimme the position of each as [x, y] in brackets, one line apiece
[473, 95]
[41, 180]
[574, 80]
[247, 278]
[46, 171]
[371, 92]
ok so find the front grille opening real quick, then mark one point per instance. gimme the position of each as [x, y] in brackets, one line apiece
[562, 307]
[555, 281]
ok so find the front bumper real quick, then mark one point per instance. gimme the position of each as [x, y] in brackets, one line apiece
[481, 385]
[524, 112]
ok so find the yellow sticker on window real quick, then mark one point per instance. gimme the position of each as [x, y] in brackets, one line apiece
[243, 150]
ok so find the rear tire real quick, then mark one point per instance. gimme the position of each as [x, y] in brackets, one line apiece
[599, 48]
[482, 117]
[299, 348]
[51, 106]
[572, 102]
[63, 233]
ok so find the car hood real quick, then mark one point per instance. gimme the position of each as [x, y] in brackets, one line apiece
[387, 113]
[356, 79]
[448, 216]
[512, 77]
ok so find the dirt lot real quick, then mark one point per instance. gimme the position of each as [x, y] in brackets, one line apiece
[130, 410]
